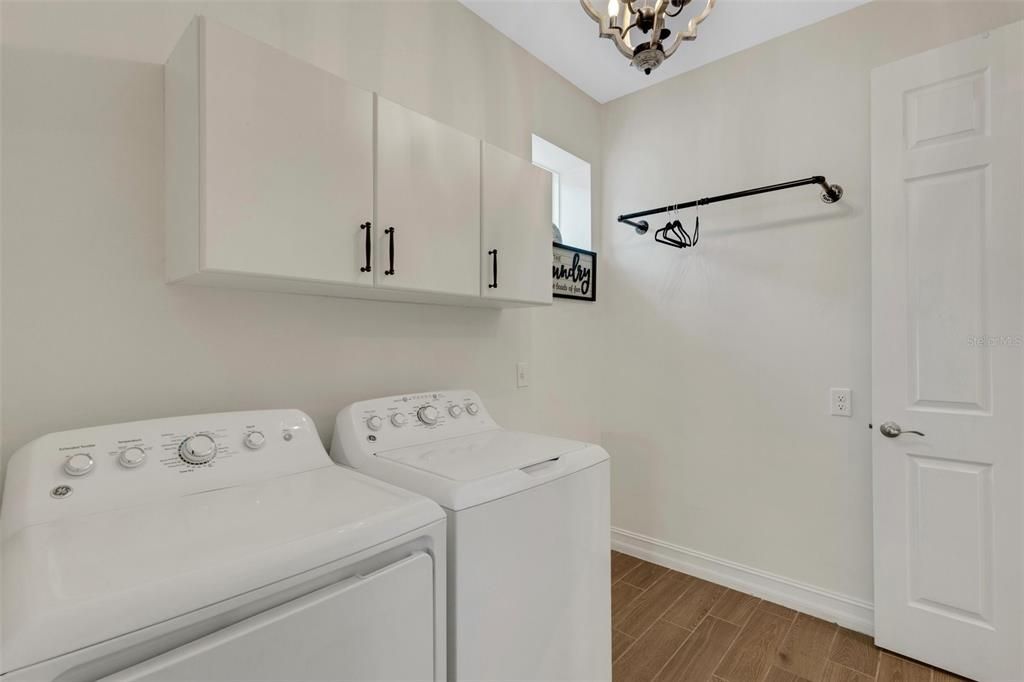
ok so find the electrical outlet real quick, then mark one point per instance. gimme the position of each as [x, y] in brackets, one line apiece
[522, 374]
[842, 403]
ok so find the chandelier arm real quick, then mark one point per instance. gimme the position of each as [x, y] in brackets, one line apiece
[659, 23]
[691, 26]
[591, 12]
[676, 42]
[605, 30]
[626, 40]
[702, 16]
[691, 29]
[622, 43]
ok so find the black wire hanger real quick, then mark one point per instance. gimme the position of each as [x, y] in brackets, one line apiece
[674, 234]
[696, 225]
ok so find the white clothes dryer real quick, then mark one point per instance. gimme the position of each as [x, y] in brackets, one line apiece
[215, 547]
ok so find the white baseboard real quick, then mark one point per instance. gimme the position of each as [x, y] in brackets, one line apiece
[850, 612]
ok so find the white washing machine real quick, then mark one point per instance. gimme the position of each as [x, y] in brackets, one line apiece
[528, 531]
[215, 547]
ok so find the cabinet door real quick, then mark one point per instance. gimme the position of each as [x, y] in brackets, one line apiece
[516, 229]
[287, 164]
[428, 193]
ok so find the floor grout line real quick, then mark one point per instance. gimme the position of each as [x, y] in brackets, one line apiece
[674, 651]
[641, 563]
[624, 651]
[714, 670]
[632, 604]
[831, 643]
[658, 617]
[855, 672]
[782, 641]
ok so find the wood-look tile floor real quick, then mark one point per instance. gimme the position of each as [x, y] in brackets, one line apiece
[672, 626]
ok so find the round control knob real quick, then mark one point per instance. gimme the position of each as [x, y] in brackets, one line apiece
[374, 423]
[78, 464]
[455, 411]
[254, 440]
[472, 408]
[398, 419]
[198, 449]
[428, 415]
[131, 457]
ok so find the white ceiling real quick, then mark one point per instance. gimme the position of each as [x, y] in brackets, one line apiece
[559, 34]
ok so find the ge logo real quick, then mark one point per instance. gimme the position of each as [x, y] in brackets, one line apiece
[61, 491]
[371, 438]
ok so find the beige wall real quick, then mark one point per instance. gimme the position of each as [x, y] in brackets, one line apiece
[91, 334]
[726, 352]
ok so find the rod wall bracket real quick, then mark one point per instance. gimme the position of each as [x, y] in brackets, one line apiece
[640, 227]
[833, 194]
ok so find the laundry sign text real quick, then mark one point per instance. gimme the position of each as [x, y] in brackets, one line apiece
[574, 273]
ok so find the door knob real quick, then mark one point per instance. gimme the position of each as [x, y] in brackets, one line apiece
[892, 429]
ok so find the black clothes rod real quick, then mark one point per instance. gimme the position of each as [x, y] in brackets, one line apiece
[829, 194]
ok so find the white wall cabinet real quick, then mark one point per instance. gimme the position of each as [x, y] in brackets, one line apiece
[515, 248]
[281, 176]
[269, 163]
[428, 204]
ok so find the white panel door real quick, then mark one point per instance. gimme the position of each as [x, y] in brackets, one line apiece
[288, 164]
[428, 204]
[374, 627]
[516, 243]
[947, 352]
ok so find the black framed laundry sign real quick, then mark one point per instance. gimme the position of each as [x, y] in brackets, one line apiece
[574, 273]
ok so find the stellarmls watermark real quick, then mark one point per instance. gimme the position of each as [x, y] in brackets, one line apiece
[989, 341]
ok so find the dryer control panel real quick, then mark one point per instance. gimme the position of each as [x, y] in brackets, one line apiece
[110, 467]
[370, 426]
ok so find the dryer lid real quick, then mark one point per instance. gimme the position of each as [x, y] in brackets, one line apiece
[77, 581]
[482, 455]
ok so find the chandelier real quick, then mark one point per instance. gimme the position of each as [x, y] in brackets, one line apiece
[639, 28]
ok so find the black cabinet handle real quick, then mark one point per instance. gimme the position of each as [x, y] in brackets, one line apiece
[390, 232]
[366, 268]
[494, 268]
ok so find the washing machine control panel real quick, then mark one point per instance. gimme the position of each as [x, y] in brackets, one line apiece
[108, 467]
[412, 419]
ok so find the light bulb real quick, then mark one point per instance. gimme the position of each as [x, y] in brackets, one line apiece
[613, 9]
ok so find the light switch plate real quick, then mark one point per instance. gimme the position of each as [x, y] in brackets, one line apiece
[842, 403]
[522, 374]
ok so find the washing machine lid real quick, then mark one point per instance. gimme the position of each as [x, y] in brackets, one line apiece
[481, 455]
[466, 471]
[77, 581]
